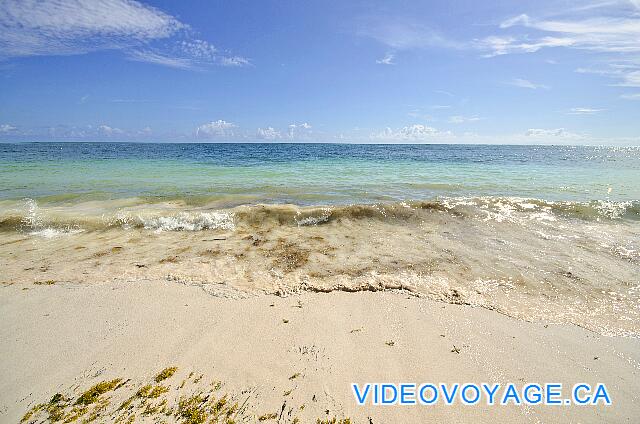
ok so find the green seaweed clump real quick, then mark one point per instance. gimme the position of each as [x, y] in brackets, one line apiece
[145, 392]
[151, 392]
[166, 373]
[192, 409]
[55, 408]
[334, 420]
[91, 395]
[30, 412]
[198, 409]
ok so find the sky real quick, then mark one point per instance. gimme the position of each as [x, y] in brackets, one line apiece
[456, 71]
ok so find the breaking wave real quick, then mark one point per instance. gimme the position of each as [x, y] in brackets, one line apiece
[49, 221]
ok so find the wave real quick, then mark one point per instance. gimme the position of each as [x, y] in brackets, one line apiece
[29, 217]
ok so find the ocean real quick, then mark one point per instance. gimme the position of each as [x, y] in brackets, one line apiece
[547, 233]
[313, 174]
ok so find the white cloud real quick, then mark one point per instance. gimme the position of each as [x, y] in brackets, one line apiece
[458, 119]
[214, 129]
[294, 132]
[145, 131]
[299, 131]
[423, 134]
[69, 27]
[632, 96]
[412, 134]
[268, 133]
[583, 111]
[523, 83]
[6, 128]
[387, 59]
[557, 133]
[106, 130]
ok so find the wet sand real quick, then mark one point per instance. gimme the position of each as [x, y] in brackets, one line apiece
[282, 358]
[561, 262]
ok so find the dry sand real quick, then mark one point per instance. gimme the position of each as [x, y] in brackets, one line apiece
[293, 357]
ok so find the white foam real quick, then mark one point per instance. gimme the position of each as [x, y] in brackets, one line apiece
[314, 220]
[55, 232]
[33, 220]
[185, 221]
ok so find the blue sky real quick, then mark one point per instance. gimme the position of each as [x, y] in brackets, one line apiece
[335, 71]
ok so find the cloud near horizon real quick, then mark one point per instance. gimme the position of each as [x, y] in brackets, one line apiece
[225, 131]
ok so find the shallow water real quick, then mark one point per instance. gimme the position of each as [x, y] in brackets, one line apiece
[538, 233]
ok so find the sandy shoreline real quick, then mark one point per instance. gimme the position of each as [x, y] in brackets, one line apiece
[276, 354]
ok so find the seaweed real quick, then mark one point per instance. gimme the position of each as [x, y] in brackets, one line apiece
[165, 373]
[92, 395]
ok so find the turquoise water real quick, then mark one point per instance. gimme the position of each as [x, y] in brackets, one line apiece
[314, 174]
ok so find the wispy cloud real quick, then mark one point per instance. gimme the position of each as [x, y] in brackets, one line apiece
[387, 59]
[458, 119]
[556, 133]
[610, 29]
[584, 111]
[446, 93]
[418, 133]
[523, 83]
[626, 73]
[80, 133]
[631, 96]
[70, 27]
[233, 61]
[129, 101]
[619, 34]
[31, 27]
[160, 59]
[402, 33]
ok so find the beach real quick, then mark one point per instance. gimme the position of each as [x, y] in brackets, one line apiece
[293, 356]
[246, 300]
[329, 212]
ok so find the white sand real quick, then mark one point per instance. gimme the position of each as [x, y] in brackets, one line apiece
[64, 338]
